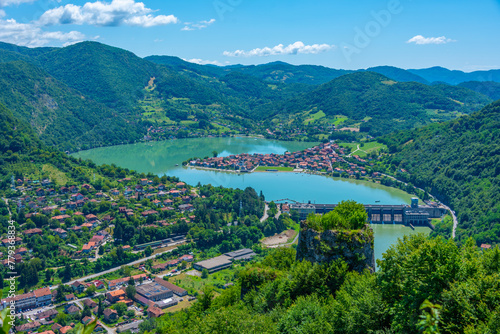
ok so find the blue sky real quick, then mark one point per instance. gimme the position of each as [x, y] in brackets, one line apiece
[459, 34]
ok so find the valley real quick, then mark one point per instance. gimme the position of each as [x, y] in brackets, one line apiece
[123, 176]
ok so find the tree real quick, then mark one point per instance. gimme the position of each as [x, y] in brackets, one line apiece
[204, 273]
[91, 290]
[429, 319]
[148, 251]
[86, 312]
[131, 281]
[60, 293]
[48, 274]
[205, 299]
[130, 290]
[67, 273]
[215, 154]
[100, 308]
[120, 308]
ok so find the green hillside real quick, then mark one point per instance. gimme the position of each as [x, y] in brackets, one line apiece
[458, 161]
[397, 74]
[488, 88]
[390, 105]
[109, 75]
[60, 115]
[454, 77]
[24, 155]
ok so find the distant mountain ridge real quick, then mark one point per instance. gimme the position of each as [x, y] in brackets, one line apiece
[314, 74]
[89, 90]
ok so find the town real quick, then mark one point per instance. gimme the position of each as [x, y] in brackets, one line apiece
[121, 243]
[326, 158]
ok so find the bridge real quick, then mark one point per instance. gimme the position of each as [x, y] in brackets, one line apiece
[414, 215]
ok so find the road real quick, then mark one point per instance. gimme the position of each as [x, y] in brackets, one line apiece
[117, 268]
[288, 243]
[265, 216]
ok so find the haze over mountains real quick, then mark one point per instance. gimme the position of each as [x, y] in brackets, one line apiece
[88, 92]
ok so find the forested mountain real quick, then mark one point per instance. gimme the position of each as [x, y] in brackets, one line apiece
[384, 105]
[60, 115]
[276, 72]
[92, 92]
[488, 88]
[454, 77]
[459, 161]
[177, 63]
[23, 153]
[109, 75]
[397, 74]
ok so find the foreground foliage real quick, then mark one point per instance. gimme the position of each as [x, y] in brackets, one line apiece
[423, 285]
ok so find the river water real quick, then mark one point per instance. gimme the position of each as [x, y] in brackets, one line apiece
[166, 158]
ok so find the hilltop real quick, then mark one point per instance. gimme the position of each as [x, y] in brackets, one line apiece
[95, 87]
[459, 162]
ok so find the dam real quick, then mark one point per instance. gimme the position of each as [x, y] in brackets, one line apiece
[409, 215]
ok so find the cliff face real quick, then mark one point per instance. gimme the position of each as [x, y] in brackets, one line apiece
[353, 246]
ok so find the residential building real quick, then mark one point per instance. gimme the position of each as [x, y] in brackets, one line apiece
[154, 312]
[110, 315]
[114, 296]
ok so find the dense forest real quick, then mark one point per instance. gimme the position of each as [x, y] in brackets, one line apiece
[383, 105]
[459, 162]
[60, 115]
[422, 285]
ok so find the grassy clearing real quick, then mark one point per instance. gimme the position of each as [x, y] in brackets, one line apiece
[279, 169]
[196, 284]
[182, 305]
[55, 174]
[366, 149]
[338, 119]
[314, 117]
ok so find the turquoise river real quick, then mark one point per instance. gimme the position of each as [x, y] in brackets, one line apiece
[166, 157]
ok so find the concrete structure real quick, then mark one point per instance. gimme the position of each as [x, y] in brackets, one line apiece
[304, 209]
[133, 327]
[154, 291]
[175, 289]
[241, 254]
[414, 215]
[214, 264]
[224, 261]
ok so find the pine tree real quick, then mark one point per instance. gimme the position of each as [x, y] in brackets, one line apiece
[100, 308]
[67, 272]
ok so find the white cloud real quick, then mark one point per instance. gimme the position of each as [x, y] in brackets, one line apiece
[189, 26]
[2, 13]
[150, 20]
[203, 62]
[100, 13]
[5, 3]
[421, 40]
[280, 49]
[27, 34]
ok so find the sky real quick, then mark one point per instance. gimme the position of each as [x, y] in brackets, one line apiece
[458, 34]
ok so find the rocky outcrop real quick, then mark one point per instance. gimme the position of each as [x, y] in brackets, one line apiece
[353, 246]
